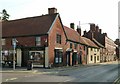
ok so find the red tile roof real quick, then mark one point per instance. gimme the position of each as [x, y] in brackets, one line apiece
[88, 42]
[28, 26]
[71, 34]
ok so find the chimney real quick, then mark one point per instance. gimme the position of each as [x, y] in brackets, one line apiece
[105, 34]
[72, 25]
[92, 27]
[84, 33]
[90, 35]
[52, 10]
[79, 30]
[100, 31]
[97, 28]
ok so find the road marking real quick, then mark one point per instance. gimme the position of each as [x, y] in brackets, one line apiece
[11, 79]
[28, 76]
[66, 80]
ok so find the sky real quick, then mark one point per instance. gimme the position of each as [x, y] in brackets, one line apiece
[103, 13]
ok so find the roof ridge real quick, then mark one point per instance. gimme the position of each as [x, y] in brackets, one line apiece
[30, 17]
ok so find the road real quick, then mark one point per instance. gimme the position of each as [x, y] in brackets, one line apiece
[98, 74]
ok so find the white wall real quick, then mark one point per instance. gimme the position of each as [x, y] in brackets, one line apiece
[94, 53]
[19, 57]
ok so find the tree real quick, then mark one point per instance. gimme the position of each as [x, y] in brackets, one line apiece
[5, 15]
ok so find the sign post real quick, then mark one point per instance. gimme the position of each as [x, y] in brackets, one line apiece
[14, 46]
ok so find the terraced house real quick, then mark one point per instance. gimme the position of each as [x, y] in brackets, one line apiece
[46, 42]
[106, 44]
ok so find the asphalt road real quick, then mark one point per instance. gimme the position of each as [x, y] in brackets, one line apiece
[97, 74]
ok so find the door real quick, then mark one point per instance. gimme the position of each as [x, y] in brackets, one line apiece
[94, 59]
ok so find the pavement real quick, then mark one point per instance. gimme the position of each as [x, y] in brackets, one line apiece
[43, 70]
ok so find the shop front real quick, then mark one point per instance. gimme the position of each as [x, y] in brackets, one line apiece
[34, 54]
[58, 61]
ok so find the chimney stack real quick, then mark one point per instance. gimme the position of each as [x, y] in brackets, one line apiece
[79, 30]
[92, 27]
[52, 10]
[84, 33]
[105, 34]
[72, 25]
[97, 28]
[100, 31]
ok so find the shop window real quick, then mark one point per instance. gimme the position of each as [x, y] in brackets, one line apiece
[58, 38]
[58, 56]
[91, 58]
[38, 41]
[37, 57]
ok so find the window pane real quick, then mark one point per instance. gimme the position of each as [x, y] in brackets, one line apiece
[58, 38]
[38, 41]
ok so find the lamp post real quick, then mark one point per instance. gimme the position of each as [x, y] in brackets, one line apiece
[14, 47]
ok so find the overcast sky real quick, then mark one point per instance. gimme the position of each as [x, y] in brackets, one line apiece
[103, 13]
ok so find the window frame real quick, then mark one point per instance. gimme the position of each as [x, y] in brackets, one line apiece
[58, 38]
[38, 42]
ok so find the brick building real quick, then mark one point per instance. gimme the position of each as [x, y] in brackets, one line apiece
[46, 42]
[108, 51]
[84, 51]
[40, 39]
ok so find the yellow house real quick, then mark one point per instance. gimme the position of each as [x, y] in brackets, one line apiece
[92, 51]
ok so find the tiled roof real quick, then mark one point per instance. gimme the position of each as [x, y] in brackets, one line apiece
[88, 42]
[97, 43]
[28, 26]
[74, 36]
[71, 34]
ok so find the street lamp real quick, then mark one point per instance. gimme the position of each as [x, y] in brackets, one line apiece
[14, 47]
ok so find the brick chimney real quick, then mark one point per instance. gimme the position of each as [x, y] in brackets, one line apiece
[105, 34]
[79, 30]
[91, 35]
[100, 31]
[84, 33]
[92, 27]
[52, 10]
[72, 25]
[97, 28]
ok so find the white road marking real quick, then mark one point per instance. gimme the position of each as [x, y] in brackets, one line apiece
[67, 80]
[11, 79]
[28, 76]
